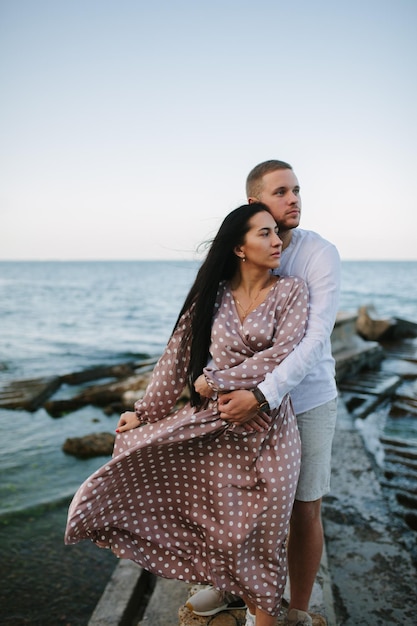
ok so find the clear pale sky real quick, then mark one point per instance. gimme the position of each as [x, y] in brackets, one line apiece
[127, 128]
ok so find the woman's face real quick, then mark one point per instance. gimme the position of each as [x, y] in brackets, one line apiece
[262, 246]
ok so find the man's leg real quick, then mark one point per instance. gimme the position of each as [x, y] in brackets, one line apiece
[305, 542]
[305, 547]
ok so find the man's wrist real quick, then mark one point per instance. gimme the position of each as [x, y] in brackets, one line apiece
[263, 404]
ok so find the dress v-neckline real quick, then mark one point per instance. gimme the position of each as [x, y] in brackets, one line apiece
[242, 322]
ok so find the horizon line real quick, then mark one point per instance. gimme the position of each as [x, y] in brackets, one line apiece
[162, 260]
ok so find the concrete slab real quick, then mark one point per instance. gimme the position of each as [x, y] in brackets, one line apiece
[373, 578]
[167, 598]
[126, 592]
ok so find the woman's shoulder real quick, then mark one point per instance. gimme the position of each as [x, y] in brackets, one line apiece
[287, 285]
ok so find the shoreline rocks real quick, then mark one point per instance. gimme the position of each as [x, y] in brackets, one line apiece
[95, 444]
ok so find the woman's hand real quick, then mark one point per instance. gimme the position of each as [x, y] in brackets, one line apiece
[127, 421]
[202, 387]
[241, 407]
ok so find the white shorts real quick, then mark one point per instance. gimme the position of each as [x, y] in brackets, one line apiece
[316, 428]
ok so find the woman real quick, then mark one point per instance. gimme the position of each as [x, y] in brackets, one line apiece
[187, 495]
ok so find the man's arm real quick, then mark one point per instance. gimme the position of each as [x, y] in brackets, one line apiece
[323, 281]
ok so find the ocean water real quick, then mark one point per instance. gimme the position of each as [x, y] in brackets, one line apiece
[62, 317]
[387, 285]
[57, 318]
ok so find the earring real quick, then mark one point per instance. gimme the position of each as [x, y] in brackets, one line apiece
[243, 258]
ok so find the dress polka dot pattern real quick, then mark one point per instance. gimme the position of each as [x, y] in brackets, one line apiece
[186, 495]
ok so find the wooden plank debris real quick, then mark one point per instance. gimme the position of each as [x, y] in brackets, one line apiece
[29, 394]
[404, 350]
[364, 392]
[120, 370]
[376, 383]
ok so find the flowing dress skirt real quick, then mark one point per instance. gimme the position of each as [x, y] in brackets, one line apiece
[193, 499]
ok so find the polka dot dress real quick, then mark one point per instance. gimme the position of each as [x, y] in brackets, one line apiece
[188, 496]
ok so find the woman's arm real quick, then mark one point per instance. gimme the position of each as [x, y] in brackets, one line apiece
[167, 383]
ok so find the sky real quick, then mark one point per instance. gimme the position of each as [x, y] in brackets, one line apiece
[127, 128]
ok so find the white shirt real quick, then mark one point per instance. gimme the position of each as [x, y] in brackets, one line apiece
[309, 371]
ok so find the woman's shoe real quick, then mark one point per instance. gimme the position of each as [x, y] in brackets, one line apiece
[210, 601]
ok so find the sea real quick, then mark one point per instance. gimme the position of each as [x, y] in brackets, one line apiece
[62, 317]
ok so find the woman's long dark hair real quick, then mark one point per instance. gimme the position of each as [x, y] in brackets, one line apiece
[220, 264]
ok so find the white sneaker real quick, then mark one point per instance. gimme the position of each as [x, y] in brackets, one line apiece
[298, 618]
[210, 601]
[250, 619]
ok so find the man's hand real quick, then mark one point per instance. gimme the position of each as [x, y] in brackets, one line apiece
[241, 407]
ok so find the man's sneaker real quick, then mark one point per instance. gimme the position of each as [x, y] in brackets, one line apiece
[298, 618]
[210, 601]
[250, 619]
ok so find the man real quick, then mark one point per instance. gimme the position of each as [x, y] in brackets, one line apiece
[308, 373]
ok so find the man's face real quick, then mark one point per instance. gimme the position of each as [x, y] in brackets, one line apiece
[281, 194]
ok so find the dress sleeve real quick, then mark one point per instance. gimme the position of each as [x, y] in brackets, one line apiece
[291, 322]
[168, 378]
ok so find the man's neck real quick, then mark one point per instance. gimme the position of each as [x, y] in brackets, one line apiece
[285, 236]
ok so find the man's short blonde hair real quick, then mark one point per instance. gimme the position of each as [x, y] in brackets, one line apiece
[255, 176]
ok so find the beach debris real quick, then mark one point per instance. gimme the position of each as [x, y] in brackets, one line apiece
[362, 393]
[372, 328]
[29, 394]
[115, 397]
[32, 394]
[350, 351]
[95, 444]
[121, 370]
[405, 349]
